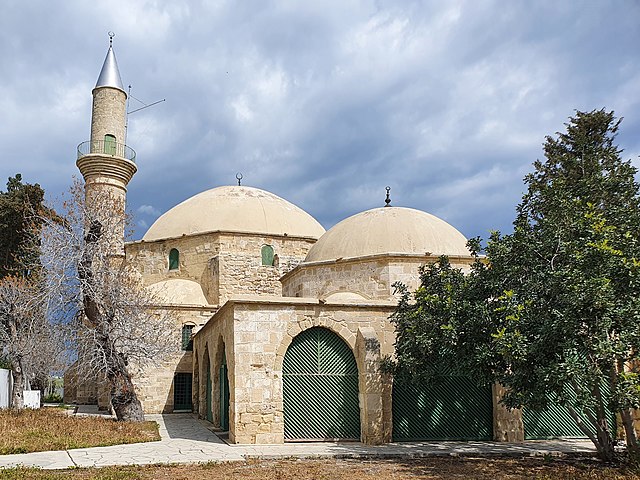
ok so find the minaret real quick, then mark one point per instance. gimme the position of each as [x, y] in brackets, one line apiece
[105, 162]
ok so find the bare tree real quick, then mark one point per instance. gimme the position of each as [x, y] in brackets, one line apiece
[28, 341]
[117, 327]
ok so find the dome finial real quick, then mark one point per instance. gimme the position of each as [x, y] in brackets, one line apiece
[239, 178]
[387, 200]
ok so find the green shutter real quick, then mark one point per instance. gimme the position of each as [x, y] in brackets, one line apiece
[453, 408]
[182, 391]
[187, 342]
[267, 255]
[174, 259]
[320, 380]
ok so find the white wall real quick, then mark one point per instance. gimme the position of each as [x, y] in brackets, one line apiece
[5, 388]
[32, 399]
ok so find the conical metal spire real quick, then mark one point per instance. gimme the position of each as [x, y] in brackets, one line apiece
[110, 75]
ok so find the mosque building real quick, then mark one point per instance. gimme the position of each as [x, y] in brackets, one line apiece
[283, 324]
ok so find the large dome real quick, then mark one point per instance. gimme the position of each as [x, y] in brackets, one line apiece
[235, 209]
[389, 230]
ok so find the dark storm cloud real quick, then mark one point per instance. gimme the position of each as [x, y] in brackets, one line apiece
[322, 103]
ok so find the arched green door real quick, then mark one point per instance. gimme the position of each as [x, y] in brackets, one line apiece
[320, 381]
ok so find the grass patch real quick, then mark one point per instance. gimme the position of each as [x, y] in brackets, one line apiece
[52, 429]
[458, 468]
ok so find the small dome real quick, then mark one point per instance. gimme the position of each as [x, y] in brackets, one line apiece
[177, 291]
[389, 230]
[235, 209]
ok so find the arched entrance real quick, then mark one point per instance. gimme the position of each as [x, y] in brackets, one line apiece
[320, 388]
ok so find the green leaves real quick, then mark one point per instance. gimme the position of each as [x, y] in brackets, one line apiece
[553, 311]
[20, 206]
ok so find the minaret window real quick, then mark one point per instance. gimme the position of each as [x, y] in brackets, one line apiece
[174, 259]
[267, 255]
[110, 144]
[187, 342]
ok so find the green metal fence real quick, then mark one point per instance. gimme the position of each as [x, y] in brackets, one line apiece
[453, 408]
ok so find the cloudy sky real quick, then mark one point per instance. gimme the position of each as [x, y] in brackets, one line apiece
[324, 102]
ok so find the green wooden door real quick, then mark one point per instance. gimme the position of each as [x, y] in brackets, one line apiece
[208, 394]
[224, 395]
[109, 144]
[320, 382]
[182, 391]
[453, 408]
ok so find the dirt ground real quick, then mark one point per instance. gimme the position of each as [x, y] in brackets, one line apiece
[335, 469]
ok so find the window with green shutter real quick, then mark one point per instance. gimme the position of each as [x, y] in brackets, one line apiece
[187, 342]
[267, 255]
[174, 259]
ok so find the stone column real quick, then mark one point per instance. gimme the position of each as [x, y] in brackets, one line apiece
[507, 424]
[374, 394]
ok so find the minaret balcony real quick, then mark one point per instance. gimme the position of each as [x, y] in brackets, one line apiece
[106, 147]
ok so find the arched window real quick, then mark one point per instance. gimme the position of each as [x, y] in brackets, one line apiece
[267, 255]
[187, 342]
[174, 259]
[110, 144]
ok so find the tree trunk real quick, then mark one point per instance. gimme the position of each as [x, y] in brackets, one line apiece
[606, 445]
[602, 440]
[124, 400]
[629, 429]
[605, 436]
[17, 392]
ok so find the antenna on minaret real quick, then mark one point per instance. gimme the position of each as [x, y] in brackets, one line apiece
[387, 200]
[239, 178]
[129, 112]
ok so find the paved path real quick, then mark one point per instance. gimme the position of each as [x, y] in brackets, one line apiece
[186, 439]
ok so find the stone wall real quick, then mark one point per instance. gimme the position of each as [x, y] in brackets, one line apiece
[152, 259]
[257, 334]
[224, 264]
[507, 423]
[108, 114]
[208, 349]
[79, 387]
[372, 277]
[154, 383]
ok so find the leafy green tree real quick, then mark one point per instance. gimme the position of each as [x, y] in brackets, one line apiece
[553, 311]
[20, 208]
